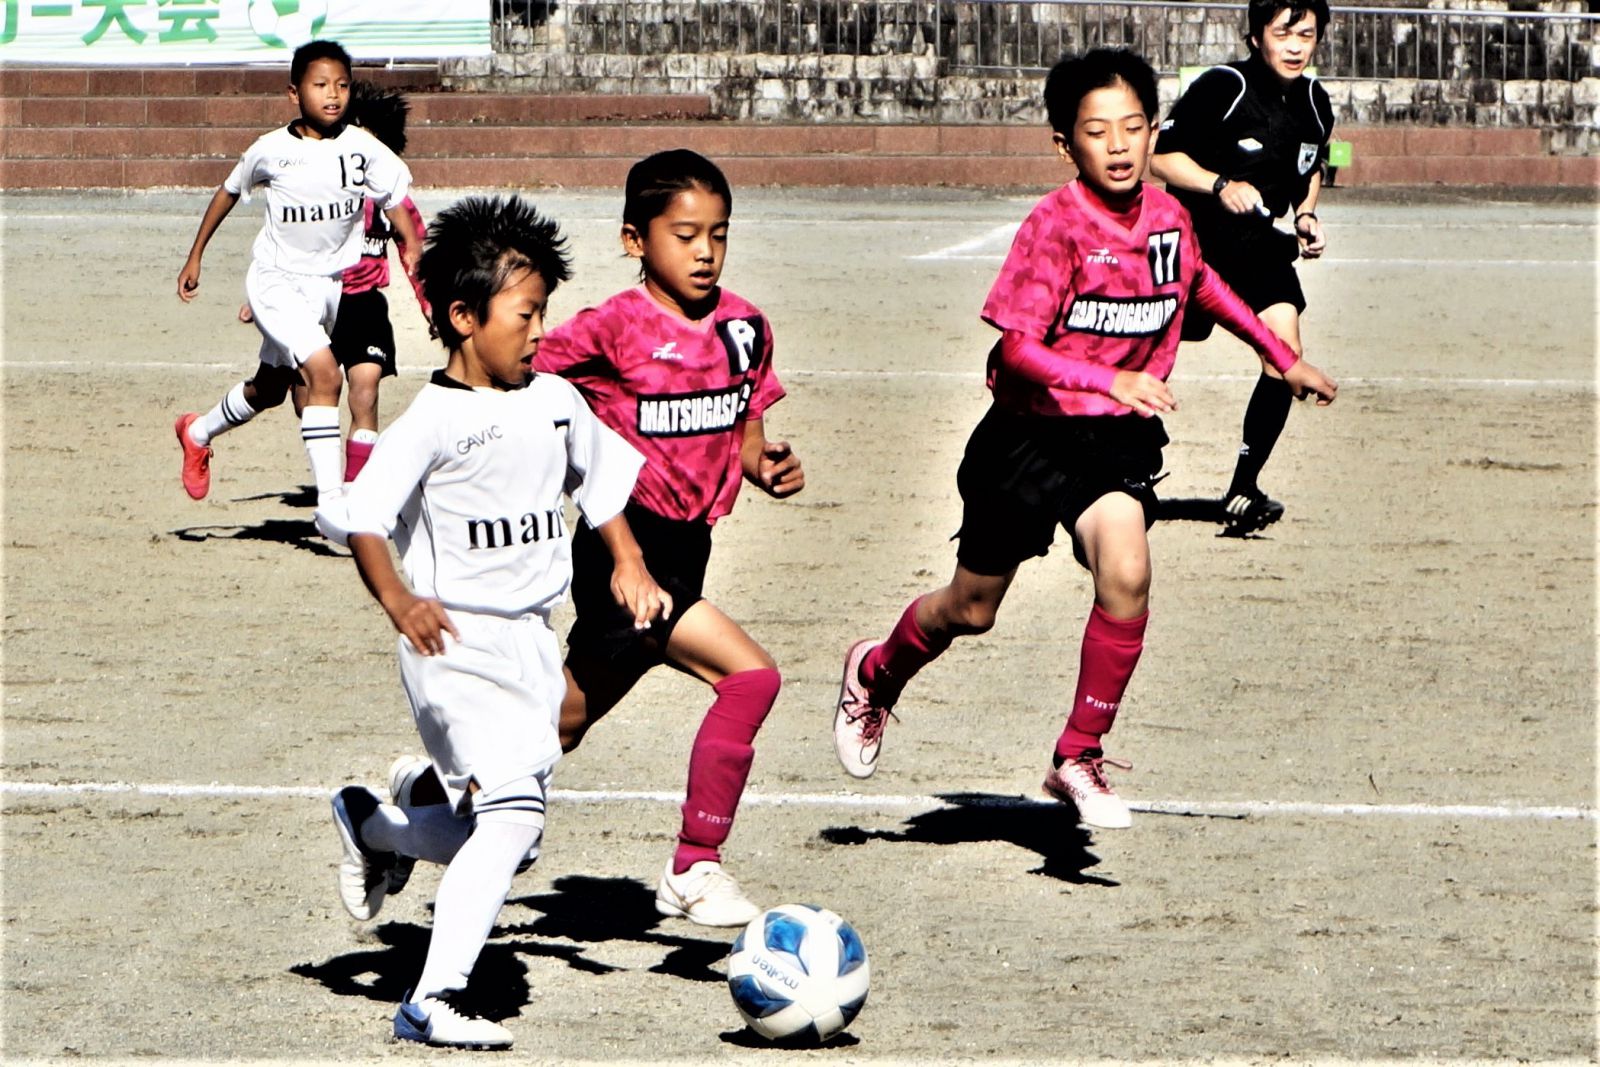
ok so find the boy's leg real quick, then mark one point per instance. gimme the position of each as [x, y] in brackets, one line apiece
[363, 382]
[712, 647]
[1117, 552]
[242, 403]
[510, 822]
[1247, 507]
[319, 422]
[875, 673]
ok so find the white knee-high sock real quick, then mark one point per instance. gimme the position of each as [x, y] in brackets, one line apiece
[233, 411]
[434, 832]
[471, 895]
[319, 429]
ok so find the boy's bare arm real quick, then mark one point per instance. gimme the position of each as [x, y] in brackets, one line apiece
[421, 620]
[222, 202]
[772, 465]
[631, 583]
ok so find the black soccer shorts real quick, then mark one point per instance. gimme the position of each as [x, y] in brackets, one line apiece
[363, 333]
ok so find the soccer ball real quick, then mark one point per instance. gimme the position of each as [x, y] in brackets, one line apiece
[288, 23]
[798, 973]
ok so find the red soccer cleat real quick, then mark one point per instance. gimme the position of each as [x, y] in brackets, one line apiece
[196, 459]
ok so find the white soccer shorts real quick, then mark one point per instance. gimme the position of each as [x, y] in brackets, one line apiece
[489, 707]
[294, 312]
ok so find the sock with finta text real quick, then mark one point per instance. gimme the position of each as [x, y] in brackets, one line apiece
[1110, 652]
[719, 763]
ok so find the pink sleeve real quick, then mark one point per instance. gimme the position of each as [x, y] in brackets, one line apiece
[1030, 359]
[769, 390]
[1035, 282]
[573, 343]
[1228, 308]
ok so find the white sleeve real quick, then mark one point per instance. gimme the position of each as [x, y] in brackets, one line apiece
[245, 176]
[372, 504]
[601, 466]
[388, 177]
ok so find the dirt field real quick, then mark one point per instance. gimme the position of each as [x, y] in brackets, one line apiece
[1364, 744]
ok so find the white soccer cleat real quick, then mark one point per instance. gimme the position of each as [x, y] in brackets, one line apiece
[704, 894]
[1081, 782]
[858, 724]
[403, 774]
[363, 872]
[435, 1021]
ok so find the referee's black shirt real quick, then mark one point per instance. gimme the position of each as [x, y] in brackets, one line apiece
[1240, 121]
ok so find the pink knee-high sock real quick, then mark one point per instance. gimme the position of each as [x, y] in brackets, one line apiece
[908, 649]
[719, 763]
[356, 454]
[1110, 652]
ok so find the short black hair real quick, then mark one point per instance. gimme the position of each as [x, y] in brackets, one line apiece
[476, 245]
[381, 112]
[1075, 77]
[312, 51]
[655, 180]
[1260, 13]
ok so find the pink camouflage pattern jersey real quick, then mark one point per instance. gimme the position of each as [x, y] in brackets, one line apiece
[1105, 296]
[676, 390]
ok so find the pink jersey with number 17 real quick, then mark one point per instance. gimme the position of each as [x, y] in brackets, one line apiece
[1097, 292]
[678, 391]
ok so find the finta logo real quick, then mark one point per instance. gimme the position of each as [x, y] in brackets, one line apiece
[668, 351]
[1102, 255]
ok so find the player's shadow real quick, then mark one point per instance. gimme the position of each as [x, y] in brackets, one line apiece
[1207, 509]
[578, 909]
[304, 496]
[296, 533]
[1046, 829]
[592, 910]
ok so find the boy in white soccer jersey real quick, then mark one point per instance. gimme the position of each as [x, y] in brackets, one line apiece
[469, 483]
[318, 171]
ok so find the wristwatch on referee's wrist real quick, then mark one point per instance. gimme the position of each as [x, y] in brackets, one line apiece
[1220, 184]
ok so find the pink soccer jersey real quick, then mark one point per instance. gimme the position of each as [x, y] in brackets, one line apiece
[371, 271]
[1097, 292]
[678, 391]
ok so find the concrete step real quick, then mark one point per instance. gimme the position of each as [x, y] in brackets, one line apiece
[262, 112]
[23, 81]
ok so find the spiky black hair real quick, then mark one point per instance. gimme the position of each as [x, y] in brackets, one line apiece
[381, 112]
[477, 245]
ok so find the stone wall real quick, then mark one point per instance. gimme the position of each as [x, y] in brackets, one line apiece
[948, 62]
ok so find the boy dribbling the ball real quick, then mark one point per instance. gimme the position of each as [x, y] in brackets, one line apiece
[469, 482]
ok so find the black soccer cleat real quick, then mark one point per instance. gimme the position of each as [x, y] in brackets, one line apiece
[1247, 512]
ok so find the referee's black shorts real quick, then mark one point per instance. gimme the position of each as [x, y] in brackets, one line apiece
[1024, 474]
[1261, 271]
[676, 553]
[363, 333]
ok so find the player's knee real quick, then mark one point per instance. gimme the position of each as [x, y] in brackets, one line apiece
[969, 618]
[1125, 584]
[267, 392]
[755, 689]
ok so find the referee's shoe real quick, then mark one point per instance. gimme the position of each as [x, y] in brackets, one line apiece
[1248, 511]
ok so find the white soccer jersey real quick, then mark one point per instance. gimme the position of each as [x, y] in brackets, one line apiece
[315, 190]
[469, 483]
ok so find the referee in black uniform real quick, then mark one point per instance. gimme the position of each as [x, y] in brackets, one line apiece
[1243, 147]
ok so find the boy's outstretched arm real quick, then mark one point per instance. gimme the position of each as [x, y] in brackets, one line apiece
[421, 620]
[222, 202]
[772, 465]
[631, 583]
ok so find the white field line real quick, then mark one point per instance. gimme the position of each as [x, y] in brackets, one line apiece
[975, 375]
[999, 257]
[1217, 809]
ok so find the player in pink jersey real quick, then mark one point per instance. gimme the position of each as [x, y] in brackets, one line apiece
[1087, 305]
[682, 369]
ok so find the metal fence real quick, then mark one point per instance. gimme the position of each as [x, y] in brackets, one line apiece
[1027, 36]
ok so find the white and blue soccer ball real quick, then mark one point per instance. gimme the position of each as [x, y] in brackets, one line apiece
[287, 23]
[798, 973]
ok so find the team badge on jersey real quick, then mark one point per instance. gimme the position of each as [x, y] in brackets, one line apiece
[1307, 159]
[742, 338]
